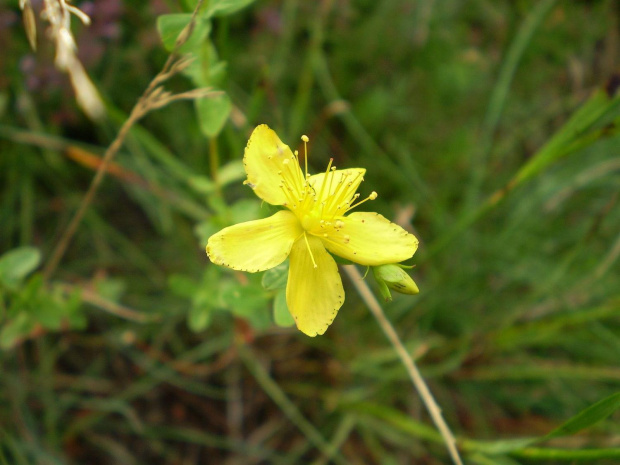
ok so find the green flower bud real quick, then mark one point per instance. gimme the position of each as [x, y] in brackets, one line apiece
[393, 276]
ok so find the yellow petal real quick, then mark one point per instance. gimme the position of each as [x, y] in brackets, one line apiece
[345, 182]
[370, 239]
[255, 245]
[271, 167]
[313, 295]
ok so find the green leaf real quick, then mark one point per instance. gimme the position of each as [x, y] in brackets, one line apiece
[248, 302]
[572, 456]
[245, 210]
[199, 318]
[213, 113]
[244, 300]
[182, 285]
[16, 264]
[15, 330]
[275, 278]
[49, 313]
[170, 26]
[226, 7]
[201, 184]
[281, 315]
[206, 70]
[588, 417]
[232, 171]
[586, 124]
[111, 288]
[205, 230]
[481, 459]
[395, 418]
[74, 314]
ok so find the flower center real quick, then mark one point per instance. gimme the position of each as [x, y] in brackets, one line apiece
[320, 202]
[311, 221]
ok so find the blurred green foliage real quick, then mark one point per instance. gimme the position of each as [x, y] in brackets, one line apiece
[488, 128]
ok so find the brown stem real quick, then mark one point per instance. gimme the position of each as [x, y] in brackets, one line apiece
[141, 108]
[418, 382]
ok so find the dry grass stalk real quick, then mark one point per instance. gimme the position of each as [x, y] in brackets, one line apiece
[154, 97]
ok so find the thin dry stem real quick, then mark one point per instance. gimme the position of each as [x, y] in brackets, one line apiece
[104, 304]
[146, 103]
[420, 385]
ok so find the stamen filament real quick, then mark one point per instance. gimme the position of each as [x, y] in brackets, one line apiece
[292, 184]
[310, 250]
[329, 165]
[338, 203]
[331, 175]
[372, 196]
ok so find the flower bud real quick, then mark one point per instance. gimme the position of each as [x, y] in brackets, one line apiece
[394, 277]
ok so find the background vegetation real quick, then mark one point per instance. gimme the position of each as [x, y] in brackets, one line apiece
[489, 127]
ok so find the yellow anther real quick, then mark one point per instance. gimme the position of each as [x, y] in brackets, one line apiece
[339, 224]
[373, 195]
[305, 138]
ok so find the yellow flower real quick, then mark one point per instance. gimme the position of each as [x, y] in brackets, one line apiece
[312, 224]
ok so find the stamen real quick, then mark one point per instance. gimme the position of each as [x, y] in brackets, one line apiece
[287, 192]
[338, 202]
[306, 140]
[331, 174]
[373, 195]
[310, 250]
[291, 179]
[329, 165]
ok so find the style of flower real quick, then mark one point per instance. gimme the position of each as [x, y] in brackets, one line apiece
[312, 225]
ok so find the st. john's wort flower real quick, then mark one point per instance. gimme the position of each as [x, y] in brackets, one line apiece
[313, 224]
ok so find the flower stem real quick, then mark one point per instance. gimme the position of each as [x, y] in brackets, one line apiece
[420, 385]
[214, 161]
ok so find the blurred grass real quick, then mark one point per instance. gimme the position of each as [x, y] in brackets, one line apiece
[447, 104]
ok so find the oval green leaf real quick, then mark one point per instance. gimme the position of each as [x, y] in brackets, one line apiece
[213, 113]
[16, 264]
